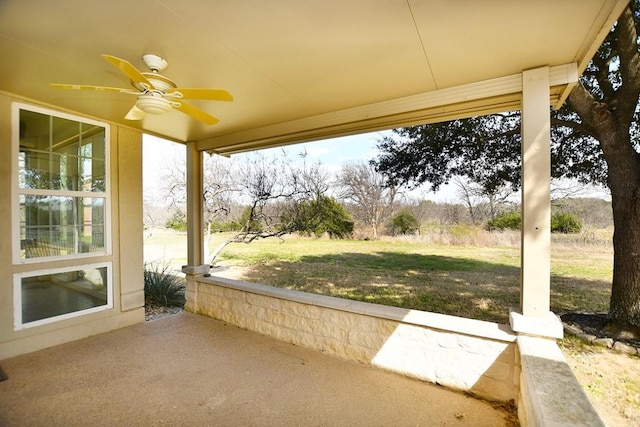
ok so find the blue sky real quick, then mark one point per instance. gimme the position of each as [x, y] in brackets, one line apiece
[337, 151]
[332, 153]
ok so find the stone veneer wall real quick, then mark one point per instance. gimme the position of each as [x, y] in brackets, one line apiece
[470, 355]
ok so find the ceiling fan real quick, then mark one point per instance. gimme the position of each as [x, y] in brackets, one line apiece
[156, 93]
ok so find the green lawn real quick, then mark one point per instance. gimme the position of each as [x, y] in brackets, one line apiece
[469, 281]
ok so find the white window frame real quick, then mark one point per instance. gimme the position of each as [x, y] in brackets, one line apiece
[17, 191]
[17, 295]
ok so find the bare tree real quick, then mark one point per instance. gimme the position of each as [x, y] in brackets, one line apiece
[481, 203]
[472, 199]
[277, 194]
[268, 184]
[425, 210]
[219, 187]
[569, 189]
[314, 177]
[368, 192]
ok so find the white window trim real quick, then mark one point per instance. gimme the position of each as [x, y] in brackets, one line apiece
[17, 295]
[17, 191]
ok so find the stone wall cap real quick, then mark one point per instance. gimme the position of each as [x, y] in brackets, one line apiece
[444, 322]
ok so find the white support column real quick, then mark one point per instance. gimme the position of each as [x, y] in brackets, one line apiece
[534, 316]
[195, 238]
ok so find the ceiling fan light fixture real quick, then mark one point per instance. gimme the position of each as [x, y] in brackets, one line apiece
[153, 104]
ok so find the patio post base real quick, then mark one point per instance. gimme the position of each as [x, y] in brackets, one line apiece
[546, 327]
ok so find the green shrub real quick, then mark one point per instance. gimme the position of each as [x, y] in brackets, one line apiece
[404, 222]
[560, 222]
[322, 215]
[317, 217]
[161, 288]
[505, 221]
[565, 223]
[178, 221]
[221, 226]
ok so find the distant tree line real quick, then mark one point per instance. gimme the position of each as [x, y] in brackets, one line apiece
[262, 197]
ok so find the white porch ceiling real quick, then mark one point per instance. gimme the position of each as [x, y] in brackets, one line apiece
[298, 70]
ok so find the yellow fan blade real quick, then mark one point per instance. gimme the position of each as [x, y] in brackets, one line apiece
[86, 87]
[132, 72]
[209, 94]
[135, 113]
[196, 113]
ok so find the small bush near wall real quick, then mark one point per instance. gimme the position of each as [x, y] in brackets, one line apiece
[178, 221]
[405, 222]
[161, 288]
[565, 223]
[561, 222]
[505, 221]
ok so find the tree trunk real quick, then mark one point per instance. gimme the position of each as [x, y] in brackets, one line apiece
[624, 183]
[623, 163]
[207, 239]
[624, 309]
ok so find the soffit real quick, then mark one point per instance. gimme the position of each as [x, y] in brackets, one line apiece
[292, 64]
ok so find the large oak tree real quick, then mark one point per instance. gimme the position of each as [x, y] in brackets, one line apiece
[594, 139]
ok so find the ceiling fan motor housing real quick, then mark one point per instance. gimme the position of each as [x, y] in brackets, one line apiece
[153, 104]
[160, 83]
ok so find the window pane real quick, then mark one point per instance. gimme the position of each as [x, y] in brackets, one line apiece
[35, 131]
[65, 135]
[95, 180]
[57, 294]
[56, 225]
[35, 170]
[92, 155]
[61, 154]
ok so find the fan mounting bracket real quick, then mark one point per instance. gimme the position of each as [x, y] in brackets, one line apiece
[154, 62]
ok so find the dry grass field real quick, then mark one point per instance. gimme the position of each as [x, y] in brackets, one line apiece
[461, 271]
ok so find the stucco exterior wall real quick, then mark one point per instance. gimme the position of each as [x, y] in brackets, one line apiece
[470, 355]
[128, 240]
[126, 256]
[6, 293]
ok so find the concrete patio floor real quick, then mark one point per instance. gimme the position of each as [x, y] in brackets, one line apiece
[190, 370]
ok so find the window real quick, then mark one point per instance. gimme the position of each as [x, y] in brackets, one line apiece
[60, 213]
[49, 295]
[62, 193]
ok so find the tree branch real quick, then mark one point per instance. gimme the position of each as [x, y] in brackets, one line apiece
[626, 98]
[575, 126]
[626, 44]
[582, 102]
